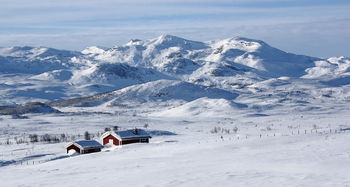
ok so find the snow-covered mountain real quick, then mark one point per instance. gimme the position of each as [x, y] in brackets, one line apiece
[178, 56]
[34, 60]
[249, 68]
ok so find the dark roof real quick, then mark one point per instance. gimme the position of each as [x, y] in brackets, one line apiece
[131, 133]
[88, 144]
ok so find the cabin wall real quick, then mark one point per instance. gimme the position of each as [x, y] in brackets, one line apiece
[73, 147]
[110, 137]
[130, 141]
[92, 150]
[136, 140]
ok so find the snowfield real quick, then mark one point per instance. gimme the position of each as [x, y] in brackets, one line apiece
[298, 149]
[235, 112]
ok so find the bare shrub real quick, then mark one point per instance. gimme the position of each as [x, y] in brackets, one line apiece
[235, 129]
[87, 135]
[63, 137]
[215, 130]
[223, 130]
[33, 138]
[45, 138]
[8, 142]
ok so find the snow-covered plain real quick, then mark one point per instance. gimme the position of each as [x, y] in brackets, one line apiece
[235, 112]
[298, 149]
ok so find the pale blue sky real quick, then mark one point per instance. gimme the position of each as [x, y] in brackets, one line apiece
[311, 27]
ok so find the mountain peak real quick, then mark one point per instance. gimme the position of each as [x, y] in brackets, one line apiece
[94, 50]
[166, 41]
[249, 40]
[168, 38]
[239, 43]
[134, 42]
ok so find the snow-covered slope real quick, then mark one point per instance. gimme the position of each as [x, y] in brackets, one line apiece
[156, 91]
[333, 71]
[118, 74]
[203, 107]
[28, 108]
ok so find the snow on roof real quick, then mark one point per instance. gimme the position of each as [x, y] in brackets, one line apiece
[132, 133]
[86, 144]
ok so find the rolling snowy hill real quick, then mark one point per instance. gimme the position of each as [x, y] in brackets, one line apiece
[156, 91]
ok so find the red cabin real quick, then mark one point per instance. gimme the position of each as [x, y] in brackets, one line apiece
[84, 146]
[125, 137]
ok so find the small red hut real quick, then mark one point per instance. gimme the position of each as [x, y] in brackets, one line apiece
[84, 146]
[125, 137]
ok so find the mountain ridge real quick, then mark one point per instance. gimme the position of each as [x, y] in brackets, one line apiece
[235, 65]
